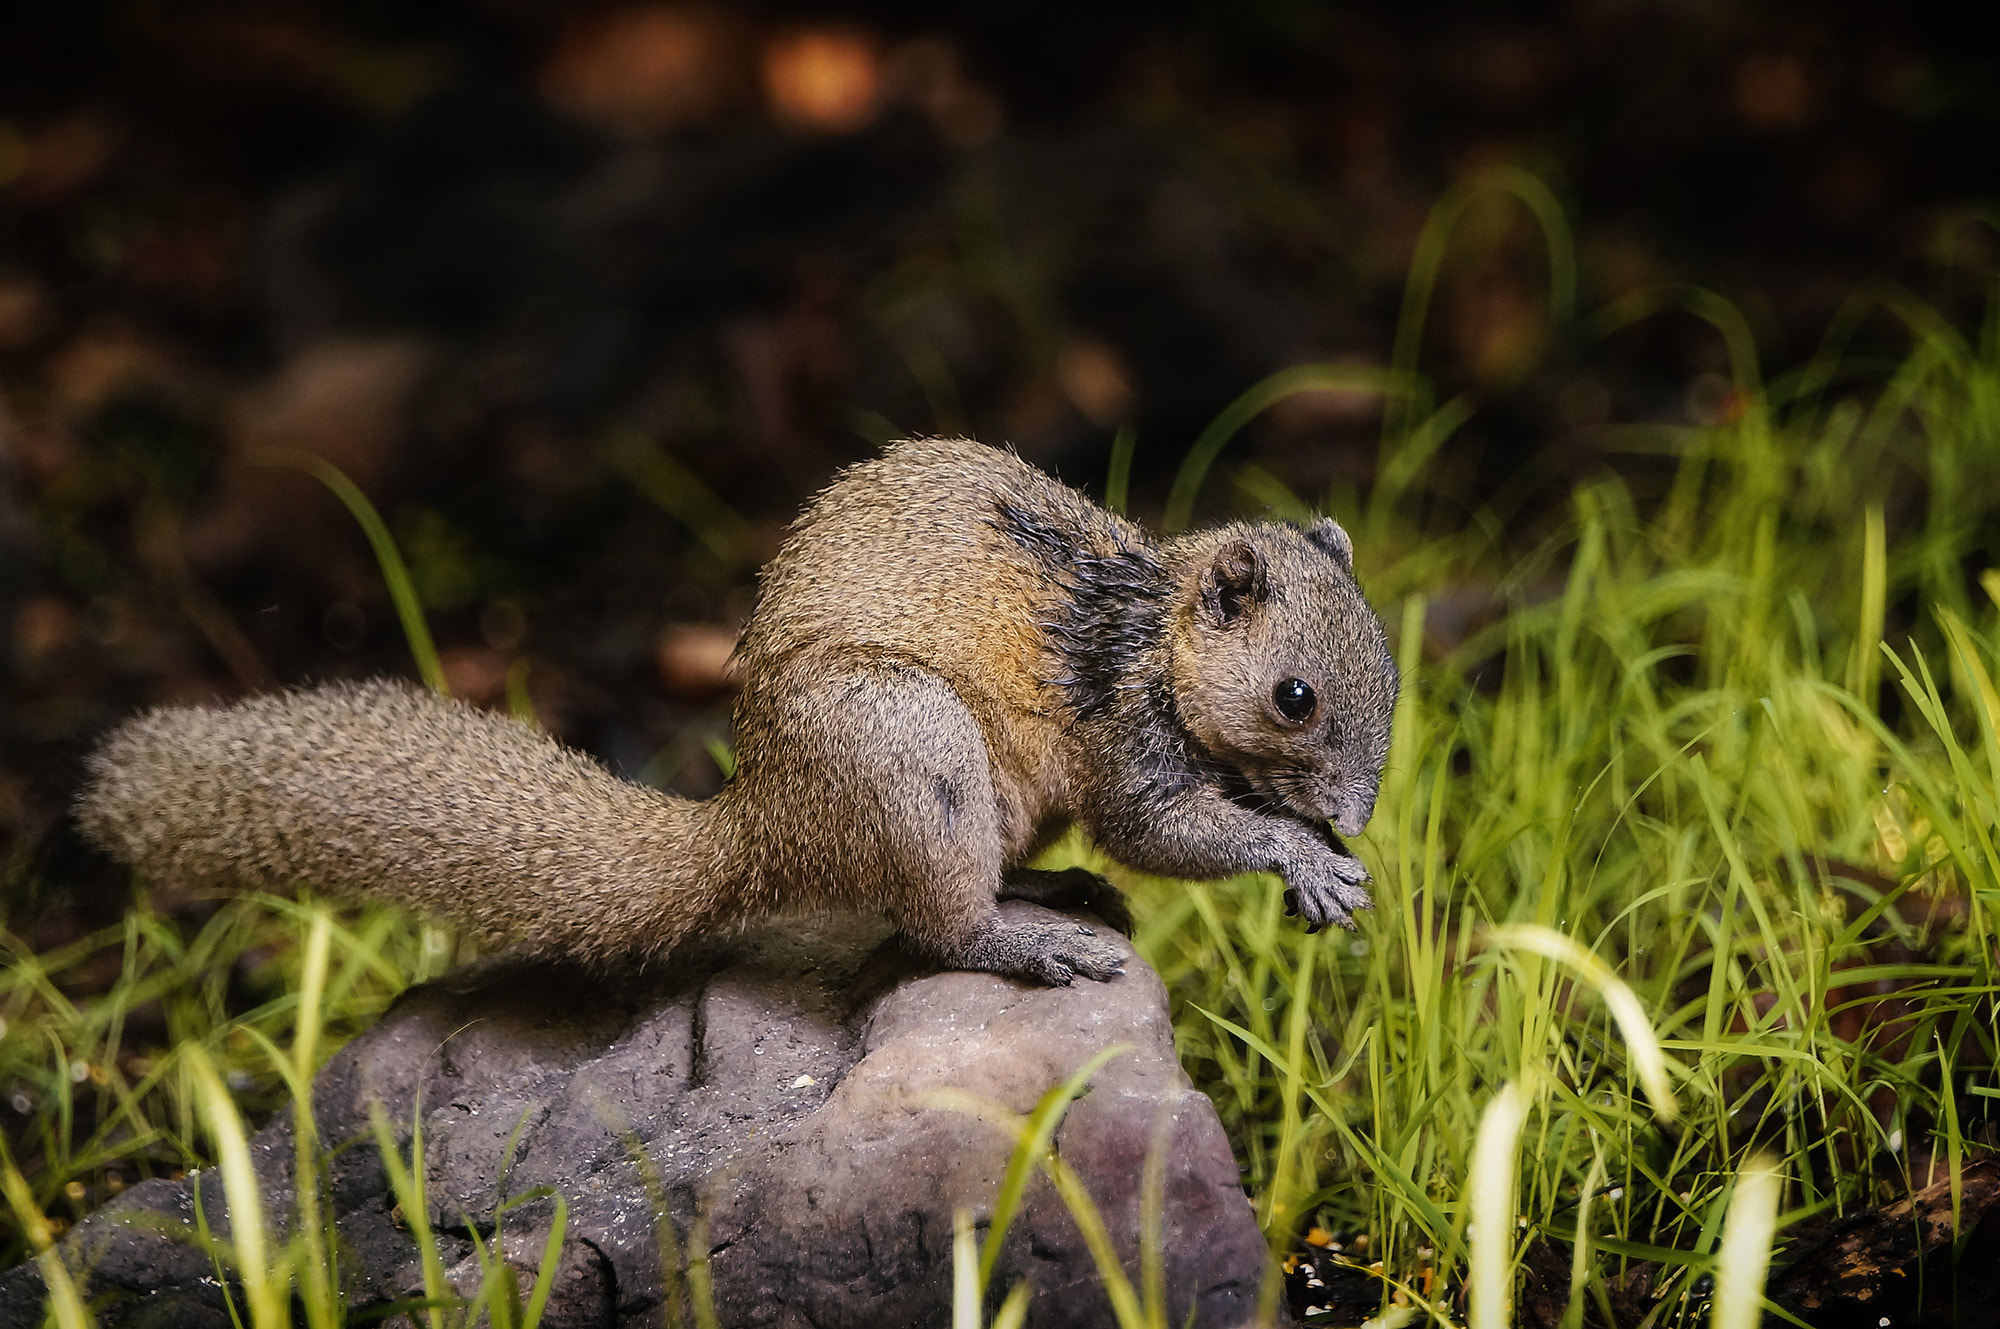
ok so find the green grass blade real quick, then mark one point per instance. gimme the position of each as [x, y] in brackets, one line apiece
[1490, 1289]
[395, 573]
[682, 495]
[1029, 1150]
[1118, 475]
[1125, 1304]
[545, 1274]
[406, 1183]
[965, 1297]
[1746, 1247]
[264, 1282]
[65, 1304]
[1641, 1041]
[1247, 407]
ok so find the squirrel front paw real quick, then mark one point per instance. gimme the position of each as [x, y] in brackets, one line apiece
[1325, 885]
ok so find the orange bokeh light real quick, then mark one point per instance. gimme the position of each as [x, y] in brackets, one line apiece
[824, 79]
[645, 70]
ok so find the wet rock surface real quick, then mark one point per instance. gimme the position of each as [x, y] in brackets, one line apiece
[799, 1109]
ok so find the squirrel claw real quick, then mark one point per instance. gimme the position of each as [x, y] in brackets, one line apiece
[1326, 903]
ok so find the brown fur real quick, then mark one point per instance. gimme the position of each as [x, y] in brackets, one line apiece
[953, 658]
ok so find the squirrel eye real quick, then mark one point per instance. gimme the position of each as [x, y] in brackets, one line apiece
[1294, 699]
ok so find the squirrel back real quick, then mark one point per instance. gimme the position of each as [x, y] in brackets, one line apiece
[914, 555]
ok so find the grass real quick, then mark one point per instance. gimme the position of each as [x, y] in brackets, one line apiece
[1685, 861]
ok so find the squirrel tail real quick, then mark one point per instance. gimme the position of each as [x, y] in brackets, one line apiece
[382, 790]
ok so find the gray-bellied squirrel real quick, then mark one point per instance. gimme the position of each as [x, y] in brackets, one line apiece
[953, 658]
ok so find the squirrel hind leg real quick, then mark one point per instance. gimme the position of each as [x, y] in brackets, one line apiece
[877, 782]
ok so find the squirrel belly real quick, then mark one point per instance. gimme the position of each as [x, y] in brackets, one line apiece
[953, 658]
[384, 790]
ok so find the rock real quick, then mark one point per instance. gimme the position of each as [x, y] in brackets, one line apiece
[784, 1101]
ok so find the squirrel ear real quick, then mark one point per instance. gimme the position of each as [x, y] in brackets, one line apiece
[1233, 581]
[1326, 533]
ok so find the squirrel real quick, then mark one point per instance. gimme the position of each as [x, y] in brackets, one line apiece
[952, 658]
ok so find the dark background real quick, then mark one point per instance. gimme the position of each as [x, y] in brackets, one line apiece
[588, 298]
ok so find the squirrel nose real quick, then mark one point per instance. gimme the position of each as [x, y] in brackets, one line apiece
[1352, 811]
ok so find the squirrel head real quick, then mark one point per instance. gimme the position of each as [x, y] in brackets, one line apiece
[1280, 668]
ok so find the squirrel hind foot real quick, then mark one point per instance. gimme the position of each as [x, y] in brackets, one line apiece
[1047, 948]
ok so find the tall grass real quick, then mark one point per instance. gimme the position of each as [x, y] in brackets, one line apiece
[94, 1105]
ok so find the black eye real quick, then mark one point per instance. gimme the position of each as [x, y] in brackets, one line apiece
[1294, 699]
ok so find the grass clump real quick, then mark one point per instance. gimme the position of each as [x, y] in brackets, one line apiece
[105, 1092]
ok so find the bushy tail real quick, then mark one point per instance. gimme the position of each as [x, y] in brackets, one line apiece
[382, 790]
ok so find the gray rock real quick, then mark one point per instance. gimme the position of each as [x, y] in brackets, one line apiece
[781, 1105]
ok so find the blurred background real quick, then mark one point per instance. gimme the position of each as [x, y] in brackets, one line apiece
[588, 298]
